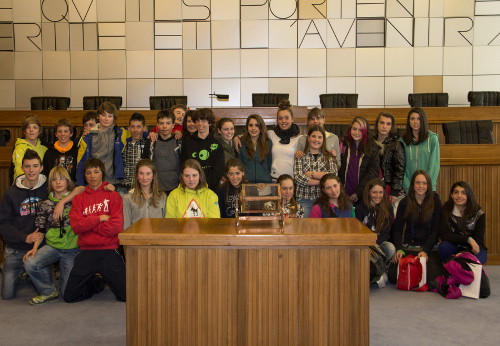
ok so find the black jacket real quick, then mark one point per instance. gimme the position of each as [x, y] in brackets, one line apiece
[68, 160]
[392, 163]
[18, 211]
[418, 233]
[368, 169]
[474, 227]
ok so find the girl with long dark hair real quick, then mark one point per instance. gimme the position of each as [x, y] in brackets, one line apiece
[256, 150]
[229, 192]
[421, 148]
[376, 213]
[463, 224]
[416, 226]
[360, 161]
[332, 200]
[392, 155]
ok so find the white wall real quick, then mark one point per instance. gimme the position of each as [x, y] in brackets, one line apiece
[380, 49]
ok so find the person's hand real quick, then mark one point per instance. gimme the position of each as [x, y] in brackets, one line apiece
[33, 237]
[109, 187]
[103, 217]
[474, 245]
[393, 199]
[422, 254]
[353, 198]
[237, 143]
[397, 256]
[31, 253]
[153, 136]
[299, 154]
[309, 174]
[58, 211]
[178, 135]
[85, 132]
[333, 152]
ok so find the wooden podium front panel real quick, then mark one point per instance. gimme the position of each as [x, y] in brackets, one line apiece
[208, 282]
[247, 296]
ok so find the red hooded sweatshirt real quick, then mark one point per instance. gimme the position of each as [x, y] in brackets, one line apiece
[84, 218]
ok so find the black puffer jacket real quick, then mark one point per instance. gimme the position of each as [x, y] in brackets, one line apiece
[392, 163]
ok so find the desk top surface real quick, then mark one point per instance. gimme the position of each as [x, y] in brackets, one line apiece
[224, 232]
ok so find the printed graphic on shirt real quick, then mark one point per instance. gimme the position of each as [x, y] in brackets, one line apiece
[28, 206]
[193, 210]
[204, 154]
[97, 208]
[231, 204]
[65, 161]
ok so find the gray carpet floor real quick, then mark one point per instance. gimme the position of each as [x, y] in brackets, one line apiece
[396, 318]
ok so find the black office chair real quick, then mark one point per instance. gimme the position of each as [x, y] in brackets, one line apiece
[484, 98]
[93, 102]
[166, 102]
[468, 132]
[428, 100]
[338, 100]
[49, 103]
[4, 137]
[268, 99]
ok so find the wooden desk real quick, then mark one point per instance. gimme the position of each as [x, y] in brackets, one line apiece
[200, 282]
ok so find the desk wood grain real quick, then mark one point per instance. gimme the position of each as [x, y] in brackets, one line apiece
[207, 284]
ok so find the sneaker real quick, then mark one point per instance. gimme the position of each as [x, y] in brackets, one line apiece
[382, 281]
[42, 299]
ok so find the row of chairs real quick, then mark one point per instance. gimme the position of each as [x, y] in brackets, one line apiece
[93, 102]
[476, 98]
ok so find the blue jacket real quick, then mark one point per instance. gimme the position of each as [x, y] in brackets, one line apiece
[85, 153]
[255, 170]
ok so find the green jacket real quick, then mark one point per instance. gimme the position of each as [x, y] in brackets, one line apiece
[425, 156]
[58, 234]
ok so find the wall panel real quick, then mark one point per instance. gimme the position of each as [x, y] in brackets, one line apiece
[424, 40]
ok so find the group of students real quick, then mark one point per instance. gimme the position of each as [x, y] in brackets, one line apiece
[186, 167]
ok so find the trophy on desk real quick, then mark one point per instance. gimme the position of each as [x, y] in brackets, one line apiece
[259, 202]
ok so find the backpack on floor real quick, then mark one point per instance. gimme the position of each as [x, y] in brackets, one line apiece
[458, 272]
[411, 274]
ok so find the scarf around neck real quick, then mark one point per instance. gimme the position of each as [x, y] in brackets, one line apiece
[62, 150]
[285, 135]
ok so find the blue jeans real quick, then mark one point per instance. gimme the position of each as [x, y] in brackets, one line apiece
[446, 249]
[39, 270]
[307, 204]
[12, 268]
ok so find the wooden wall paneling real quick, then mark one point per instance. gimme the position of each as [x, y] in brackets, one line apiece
[436, 115]
[484, 181]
